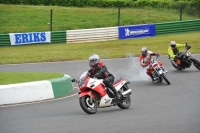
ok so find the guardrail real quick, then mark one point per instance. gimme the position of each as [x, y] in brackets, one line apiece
[110, 33]
[92, 35]
[177, 27]
[4, 39]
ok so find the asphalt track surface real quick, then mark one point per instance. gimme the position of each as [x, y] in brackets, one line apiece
[155, 108]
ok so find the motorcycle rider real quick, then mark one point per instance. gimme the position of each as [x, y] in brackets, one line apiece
[173, 52]
[145, 60]
[99, 70]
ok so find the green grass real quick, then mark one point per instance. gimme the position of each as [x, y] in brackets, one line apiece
[20, 77]
[25, 18]
[106, 49]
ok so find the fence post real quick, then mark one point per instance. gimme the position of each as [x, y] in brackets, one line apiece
[181, 12]
[118, 16]
[51, 20]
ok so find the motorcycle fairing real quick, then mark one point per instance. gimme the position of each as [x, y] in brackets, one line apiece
[105, 101]
[89, 93]
[97, 86]
[119, 84]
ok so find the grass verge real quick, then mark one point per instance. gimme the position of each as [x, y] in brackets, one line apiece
[20, 77]
[106, 49]
[26, 18]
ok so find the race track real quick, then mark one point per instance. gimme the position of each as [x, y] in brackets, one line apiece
[155, 108]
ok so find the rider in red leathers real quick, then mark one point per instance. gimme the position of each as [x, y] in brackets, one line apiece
[99, 70]
[145, 60]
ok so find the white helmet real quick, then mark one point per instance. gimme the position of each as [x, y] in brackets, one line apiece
[93, 60]
[173, 44]
[144, 51]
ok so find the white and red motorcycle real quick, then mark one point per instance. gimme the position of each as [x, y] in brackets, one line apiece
[94, 94]
[158, 70]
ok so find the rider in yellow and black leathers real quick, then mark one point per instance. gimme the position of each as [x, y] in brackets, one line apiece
[173, 51]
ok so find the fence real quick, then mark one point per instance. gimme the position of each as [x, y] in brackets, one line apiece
[111, 33]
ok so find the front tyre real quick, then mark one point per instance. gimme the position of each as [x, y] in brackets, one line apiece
[196, 64]
[165, 78]
[87, 106]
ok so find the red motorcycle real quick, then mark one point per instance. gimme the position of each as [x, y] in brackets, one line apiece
[94, 94]
[158, 70]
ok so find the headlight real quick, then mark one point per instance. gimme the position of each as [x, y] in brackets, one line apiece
[188, 54]
[160, 72]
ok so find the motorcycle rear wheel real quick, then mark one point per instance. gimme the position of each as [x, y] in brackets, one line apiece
[165, 78]
[126, 102]
[178, 68]
[90, 108]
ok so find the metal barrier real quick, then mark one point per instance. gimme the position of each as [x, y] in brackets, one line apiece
[58, 37]
[4, 40]
[92, 35]
[177, 27]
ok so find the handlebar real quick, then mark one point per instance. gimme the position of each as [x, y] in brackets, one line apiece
[74, 80]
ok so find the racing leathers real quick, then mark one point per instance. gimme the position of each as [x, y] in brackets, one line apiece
[100, 72]
[173, 52]
[146, 60]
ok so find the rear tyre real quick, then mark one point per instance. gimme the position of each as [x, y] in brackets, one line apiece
[125, 103]
[87, 106]
[126, 100]
[178, 68]
[165, 78]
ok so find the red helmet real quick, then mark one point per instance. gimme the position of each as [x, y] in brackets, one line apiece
[144, 51]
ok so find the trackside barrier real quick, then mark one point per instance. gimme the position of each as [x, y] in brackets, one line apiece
[35, 91]
[92, 35]
[58, 37]
[4, 40]
[177, 27]
[111, 33]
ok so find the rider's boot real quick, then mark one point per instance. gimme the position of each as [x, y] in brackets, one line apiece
[153, 79]
[114, 90]
[174, 63]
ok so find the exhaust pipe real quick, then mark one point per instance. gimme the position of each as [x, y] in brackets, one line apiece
[127, 92]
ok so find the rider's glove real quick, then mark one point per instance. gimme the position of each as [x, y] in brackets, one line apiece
[90, 70]
[188, 46]
[157, 54]
[96, 75]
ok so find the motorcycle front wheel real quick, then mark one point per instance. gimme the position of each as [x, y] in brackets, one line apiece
[88, 106]
[165, 78]
[196, 64]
